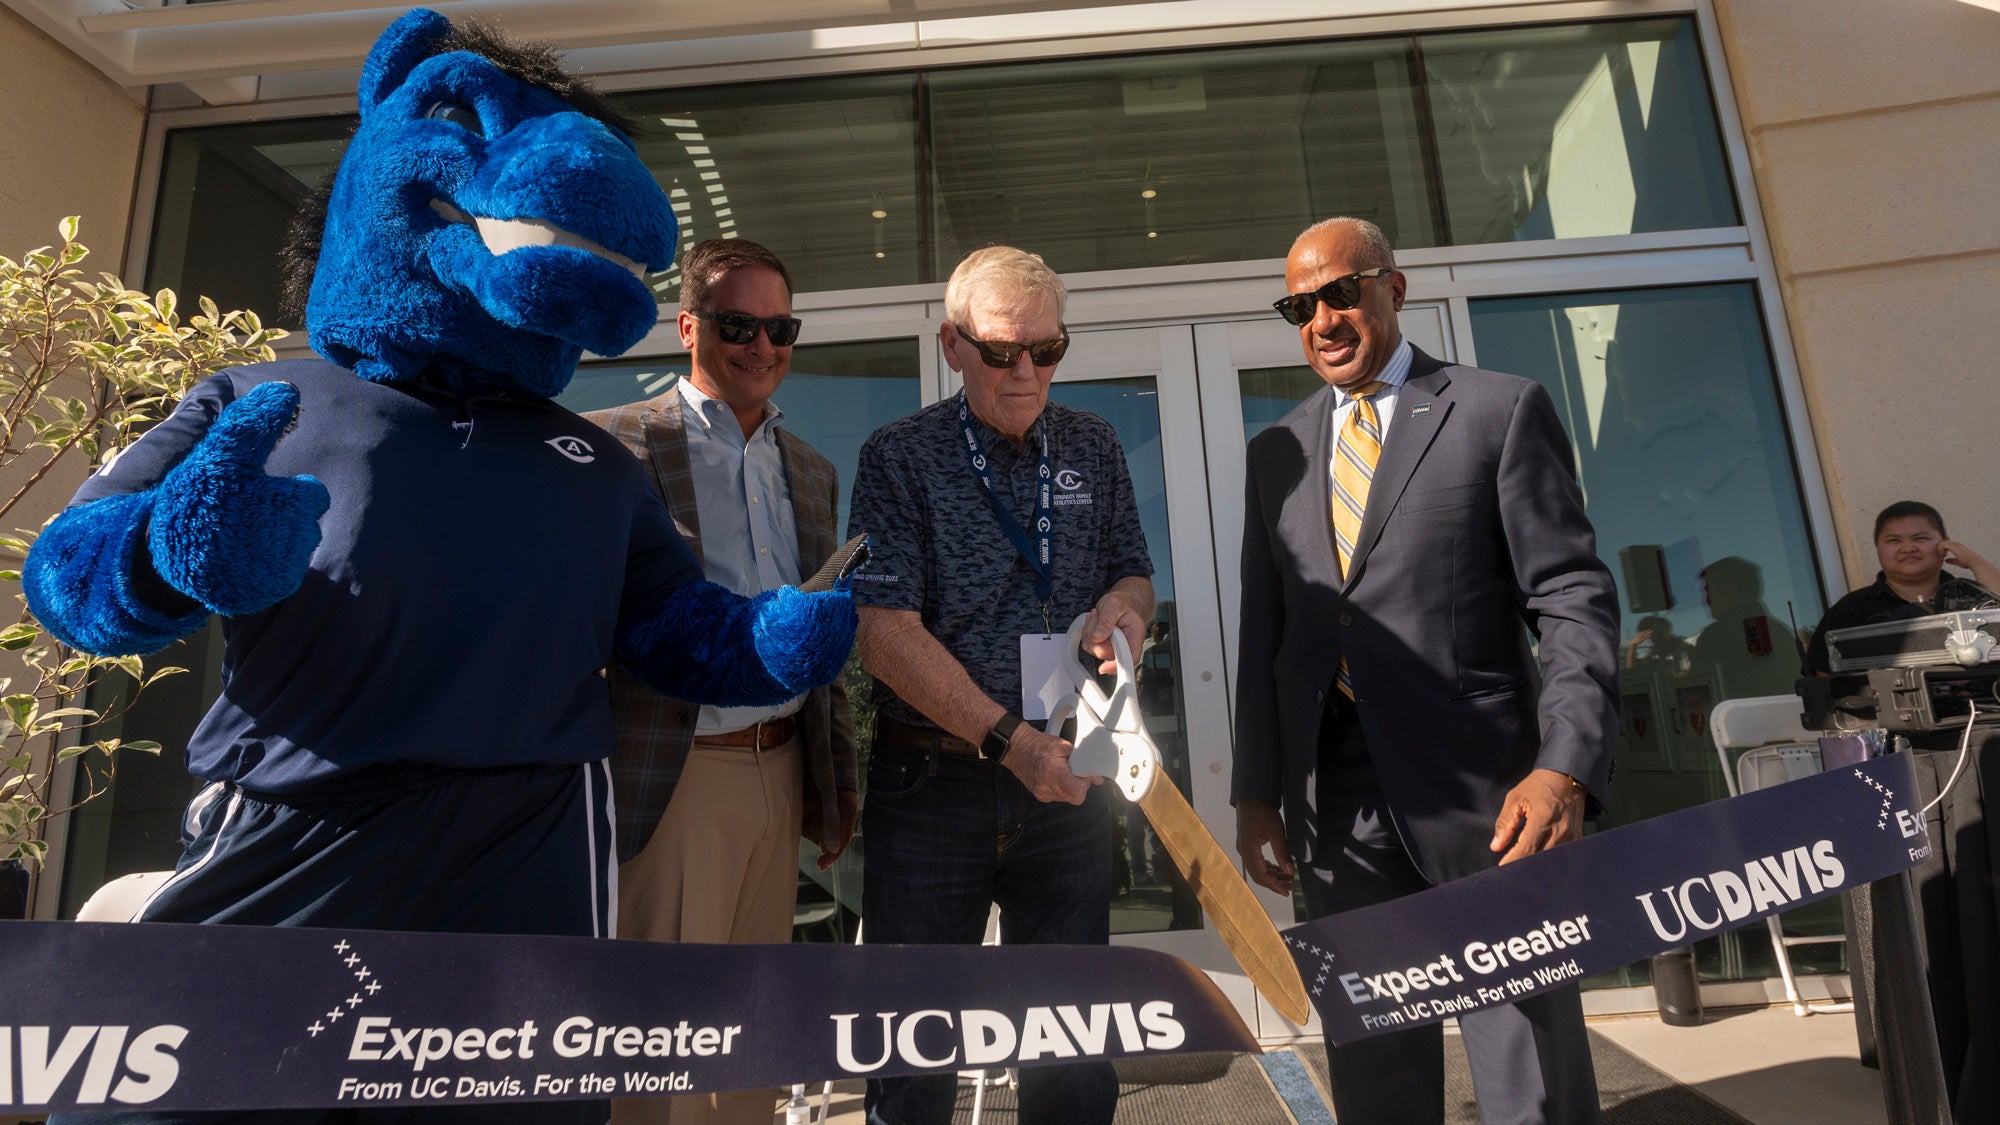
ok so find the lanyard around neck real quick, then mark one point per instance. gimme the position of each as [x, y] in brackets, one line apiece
[1038, 549]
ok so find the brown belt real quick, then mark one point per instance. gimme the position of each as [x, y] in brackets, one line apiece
[929, 739]
[922, 738]
[767, 735]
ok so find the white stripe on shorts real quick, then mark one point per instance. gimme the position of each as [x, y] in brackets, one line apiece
[202, 799]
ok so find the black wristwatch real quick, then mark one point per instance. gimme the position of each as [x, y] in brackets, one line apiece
[994, 746]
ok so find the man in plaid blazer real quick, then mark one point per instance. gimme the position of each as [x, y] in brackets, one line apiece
[711, 801]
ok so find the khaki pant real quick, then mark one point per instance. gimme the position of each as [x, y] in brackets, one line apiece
[721, 867]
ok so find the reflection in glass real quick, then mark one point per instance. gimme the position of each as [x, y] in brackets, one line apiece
[1575, 130]
[834, 397]
[1197, 156]
[863, 181]
[1270, 393]
[1148, 891]
[227, 195]
[1672, 408]
[1671, 404]
[823, 172]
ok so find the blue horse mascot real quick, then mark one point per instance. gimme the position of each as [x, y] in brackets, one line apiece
[422, 563]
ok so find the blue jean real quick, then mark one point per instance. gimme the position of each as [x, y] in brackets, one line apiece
[948, 836]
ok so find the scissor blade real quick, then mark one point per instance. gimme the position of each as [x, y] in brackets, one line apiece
[1246, 929]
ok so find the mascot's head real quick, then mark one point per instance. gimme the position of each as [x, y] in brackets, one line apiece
[489, 222]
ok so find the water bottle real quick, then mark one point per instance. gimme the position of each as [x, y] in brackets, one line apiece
[797, 1112]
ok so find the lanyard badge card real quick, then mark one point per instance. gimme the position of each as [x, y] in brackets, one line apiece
[1044, 680]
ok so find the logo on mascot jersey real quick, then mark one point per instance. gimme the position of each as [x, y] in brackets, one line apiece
[576, 449]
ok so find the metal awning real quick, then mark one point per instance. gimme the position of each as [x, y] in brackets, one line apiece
[220, 49]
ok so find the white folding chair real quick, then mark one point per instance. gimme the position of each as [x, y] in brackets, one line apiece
[1773, 748]
[979, 1079]
[121, 898]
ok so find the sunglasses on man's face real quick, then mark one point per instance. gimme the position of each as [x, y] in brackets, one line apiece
[741, 328]
[1046, 353]
[1340, 293]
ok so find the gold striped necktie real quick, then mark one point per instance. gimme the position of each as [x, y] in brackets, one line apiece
[1356, 449]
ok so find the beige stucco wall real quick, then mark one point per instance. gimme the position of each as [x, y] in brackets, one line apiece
[1874, 136]
[69, 145]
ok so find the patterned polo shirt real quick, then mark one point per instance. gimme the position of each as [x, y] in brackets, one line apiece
[937, 548]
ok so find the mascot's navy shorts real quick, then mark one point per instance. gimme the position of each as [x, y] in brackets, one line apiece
[517, 850]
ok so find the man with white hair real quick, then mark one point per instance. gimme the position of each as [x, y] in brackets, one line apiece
[996, 518]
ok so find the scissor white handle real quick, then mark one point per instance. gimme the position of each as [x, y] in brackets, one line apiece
[1111, 739]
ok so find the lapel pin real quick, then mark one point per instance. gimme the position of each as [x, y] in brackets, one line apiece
[1419, 411]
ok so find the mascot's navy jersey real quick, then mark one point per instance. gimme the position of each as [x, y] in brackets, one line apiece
[477, 551]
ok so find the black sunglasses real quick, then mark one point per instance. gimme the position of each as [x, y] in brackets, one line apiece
[741, 328]
[1340, 293]
[1046, 353]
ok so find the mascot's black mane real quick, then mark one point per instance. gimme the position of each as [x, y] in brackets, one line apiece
[535, 63]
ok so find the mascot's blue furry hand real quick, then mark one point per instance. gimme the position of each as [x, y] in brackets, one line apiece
[803, 639]
[706, 644]
[224, 532]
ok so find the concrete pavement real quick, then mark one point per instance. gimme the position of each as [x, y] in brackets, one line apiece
[1765, 1065]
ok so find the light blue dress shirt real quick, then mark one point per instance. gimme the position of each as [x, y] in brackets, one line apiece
[749, 534]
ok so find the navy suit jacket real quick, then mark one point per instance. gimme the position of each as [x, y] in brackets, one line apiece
[1474, 529]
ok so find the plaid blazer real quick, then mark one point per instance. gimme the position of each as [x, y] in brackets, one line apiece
[652, 731]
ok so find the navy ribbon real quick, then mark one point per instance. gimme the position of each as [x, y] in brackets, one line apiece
[179, 1017]
[201, 1017]
[1609, 899]
[1038, 550]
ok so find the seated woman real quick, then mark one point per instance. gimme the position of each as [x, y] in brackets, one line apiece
[1911, 544]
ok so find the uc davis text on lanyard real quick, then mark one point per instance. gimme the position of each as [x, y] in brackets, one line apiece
[1036, 550]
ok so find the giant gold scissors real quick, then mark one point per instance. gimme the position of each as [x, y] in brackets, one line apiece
[1111, 742]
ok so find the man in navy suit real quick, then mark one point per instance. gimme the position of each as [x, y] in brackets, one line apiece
[1393, 729]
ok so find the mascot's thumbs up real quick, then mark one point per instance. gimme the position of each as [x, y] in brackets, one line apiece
[223, 532]
[129, 574]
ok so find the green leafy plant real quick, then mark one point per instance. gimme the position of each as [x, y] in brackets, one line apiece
[85, 367]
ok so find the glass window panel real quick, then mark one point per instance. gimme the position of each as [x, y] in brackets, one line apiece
[227, 194]
[1672, 408]
[1241, 150]
[834, 396]
[1148, 892]
[823, 172]
[1575, 130]
[1270, 393]
[1559, 131]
